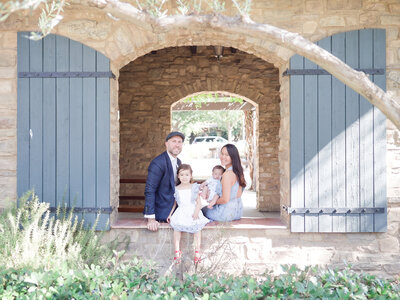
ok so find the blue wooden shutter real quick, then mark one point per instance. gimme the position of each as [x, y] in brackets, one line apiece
[338, 141]
[63, 125]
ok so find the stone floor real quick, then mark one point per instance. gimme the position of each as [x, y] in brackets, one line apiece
[252, 218]
[243, 223]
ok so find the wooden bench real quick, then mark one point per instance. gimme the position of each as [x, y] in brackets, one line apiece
[135, 208]
[131, 208]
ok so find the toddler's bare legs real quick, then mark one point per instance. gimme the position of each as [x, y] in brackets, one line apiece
[197, 245]
[177, 241]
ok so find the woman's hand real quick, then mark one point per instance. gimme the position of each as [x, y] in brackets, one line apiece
[202, 185]
[195, 216]
[212, 203]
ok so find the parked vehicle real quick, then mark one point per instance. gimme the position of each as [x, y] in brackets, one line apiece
[208, 146]
[210, 139]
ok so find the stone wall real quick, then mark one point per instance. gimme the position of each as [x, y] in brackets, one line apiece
[151, 84]
[8, 117]
[253, 251]
[124, 42]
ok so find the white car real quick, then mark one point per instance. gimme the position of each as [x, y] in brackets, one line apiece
[210, 139]
[209, 146]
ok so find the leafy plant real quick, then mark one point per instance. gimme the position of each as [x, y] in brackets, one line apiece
[139, 280]
[31, 237]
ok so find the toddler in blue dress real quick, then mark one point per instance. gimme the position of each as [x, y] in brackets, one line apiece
[211, 189]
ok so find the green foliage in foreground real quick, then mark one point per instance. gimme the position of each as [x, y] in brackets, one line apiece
[138, 280]
[45, 257]
[30, 236]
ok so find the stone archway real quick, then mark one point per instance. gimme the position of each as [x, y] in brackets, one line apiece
[219, 101]
[150, 84]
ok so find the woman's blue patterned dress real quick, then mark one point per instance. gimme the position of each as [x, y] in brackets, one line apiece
[230, 211]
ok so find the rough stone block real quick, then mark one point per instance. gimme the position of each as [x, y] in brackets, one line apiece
[8, 58]
[364, 267]
[8, 163]
[314, 6]
[389, 244]
[8, 123]
[8, 40]
[394, 8]
[8, 147]
[86, 29]
[310, 27]
[8, 72]
[332, 21]
[351, 20]
[344, 4]
[6, 85]
[390, 20]
[392, 268]
[256, 252]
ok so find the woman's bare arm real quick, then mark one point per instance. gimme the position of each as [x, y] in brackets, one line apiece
[228, 180]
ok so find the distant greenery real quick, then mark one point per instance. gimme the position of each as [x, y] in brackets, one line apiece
[200, 99]
[226, 123]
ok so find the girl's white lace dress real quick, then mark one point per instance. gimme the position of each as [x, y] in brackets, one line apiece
[182, 219]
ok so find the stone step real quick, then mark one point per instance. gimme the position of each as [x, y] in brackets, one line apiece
[226, 246]
[254, 245]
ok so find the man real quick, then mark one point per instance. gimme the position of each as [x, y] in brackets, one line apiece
[160, 183]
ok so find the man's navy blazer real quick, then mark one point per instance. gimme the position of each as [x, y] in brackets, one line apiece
[160, 187]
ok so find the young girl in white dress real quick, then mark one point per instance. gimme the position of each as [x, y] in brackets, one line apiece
[188, 217]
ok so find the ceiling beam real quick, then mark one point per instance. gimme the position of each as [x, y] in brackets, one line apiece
[213, 106]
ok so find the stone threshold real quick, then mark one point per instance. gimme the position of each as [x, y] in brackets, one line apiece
[243, 223]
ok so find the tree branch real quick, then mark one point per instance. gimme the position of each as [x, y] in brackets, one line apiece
[358, 81]
[388, 103]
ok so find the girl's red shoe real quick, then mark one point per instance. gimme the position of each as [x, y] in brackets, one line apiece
[178, 257]
[197, 258]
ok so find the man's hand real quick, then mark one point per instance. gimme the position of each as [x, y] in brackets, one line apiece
[152, 224]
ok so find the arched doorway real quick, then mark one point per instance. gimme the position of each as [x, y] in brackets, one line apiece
[211, 120]
[149, 86]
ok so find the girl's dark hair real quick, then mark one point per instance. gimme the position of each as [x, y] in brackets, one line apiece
[236, 163]
[184, 167]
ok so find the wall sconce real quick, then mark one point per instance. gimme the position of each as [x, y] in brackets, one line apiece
[218, 50]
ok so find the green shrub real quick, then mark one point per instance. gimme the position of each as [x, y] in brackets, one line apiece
[31, 237]
[138, 280]
[92, 282]
[56, 257]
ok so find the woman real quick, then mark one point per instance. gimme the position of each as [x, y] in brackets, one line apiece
[229, 206]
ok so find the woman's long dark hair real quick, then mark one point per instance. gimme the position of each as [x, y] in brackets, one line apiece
[236, 163]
